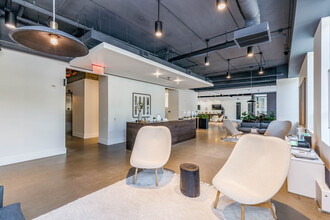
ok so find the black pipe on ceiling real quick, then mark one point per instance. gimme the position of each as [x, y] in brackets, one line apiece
[228, 44]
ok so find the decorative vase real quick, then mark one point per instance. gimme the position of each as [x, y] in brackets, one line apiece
[140, 116]
[159, 118]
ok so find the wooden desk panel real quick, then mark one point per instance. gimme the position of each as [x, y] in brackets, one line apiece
[181, 130]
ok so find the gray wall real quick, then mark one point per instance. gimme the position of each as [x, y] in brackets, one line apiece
[271, 102]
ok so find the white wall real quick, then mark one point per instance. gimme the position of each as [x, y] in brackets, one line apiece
[187, 101]
[321, 88]
[85, 108]
[228, 103]
[32, 112]
[287, 99]
[91, 107]
[307, 72]
[172, 111]
[118, 102]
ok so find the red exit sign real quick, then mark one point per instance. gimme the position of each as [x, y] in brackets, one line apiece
[98, 69]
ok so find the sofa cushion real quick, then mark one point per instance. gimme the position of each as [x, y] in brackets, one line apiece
[264, 125]
[250, 124]
[12, 212]
[244, 129]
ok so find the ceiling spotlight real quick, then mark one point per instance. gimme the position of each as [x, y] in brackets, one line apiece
[228, 75]
[250, 51]
[261, 70]
[158, 25]
[228, 72]
[158, 28]
[221, 4]
[10, 20]
[207, 58]
[207, 61]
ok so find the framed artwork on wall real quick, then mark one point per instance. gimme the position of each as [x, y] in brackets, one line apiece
[141, 98]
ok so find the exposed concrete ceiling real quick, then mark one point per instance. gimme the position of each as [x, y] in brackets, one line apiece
[186, 25]
[307, 17]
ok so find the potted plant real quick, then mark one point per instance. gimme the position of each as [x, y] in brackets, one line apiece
[203, 121]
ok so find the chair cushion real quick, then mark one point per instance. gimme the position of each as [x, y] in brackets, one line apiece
[12, 212]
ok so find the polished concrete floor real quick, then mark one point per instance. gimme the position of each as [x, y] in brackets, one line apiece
[46, 184]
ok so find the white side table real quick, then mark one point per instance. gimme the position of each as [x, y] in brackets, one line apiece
[303, 174]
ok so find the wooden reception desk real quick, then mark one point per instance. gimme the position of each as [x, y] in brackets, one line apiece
[181, 130]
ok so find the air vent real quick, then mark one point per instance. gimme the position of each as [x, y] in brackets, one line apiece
[253, 35]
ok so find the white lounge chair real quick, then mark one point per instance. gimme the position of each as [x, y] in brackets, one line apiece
[214, 118]
[152, 149]
[278, 129]
[254, 172]
[231, 129]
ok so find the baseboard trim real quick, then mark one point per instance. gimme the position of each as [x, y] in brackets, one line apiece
[110, 142]
[31, 156]
[78, 134]
[92, 135]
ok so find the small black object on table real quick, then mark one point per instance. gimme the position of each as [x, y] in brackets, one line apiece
[189, 180]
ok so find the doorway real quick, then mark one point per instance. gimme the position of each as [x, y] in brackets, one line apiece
[238, 110]
[68, 113]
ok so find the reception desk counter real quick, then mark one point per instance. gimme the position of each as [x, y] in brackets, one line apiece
[181, 130]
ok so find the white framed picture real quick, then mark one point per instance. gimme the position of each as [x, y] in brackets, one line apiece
[141, 98]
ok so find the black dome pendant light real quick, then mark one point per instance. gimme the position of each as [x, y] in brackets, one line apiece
[49, 40]
[10, 18]
[158, 25]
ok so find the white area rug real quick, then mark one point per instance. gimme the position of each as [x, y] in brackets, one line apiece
[144, 200]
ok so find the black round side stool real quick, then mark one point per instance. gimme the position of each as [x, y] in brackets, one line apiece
[189, 180]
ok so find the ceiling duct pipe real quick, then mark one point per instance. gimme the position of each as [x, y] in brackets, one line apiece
[250, 11]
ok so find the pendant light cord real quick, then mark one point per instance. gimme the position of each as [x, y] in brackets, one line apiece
[158, 9]
[54, 11]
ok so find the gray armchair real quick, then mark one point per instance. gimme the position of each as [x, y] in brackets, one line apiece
[10, 212]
